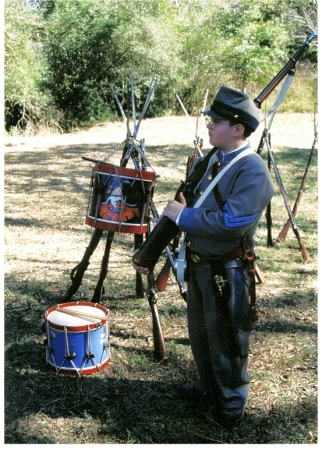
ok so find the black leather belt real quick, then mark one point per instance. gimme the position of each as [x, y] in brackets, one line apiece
[197, 258]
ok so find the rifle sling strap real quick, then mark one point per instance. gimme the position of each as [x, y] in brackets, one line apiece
[216, 191]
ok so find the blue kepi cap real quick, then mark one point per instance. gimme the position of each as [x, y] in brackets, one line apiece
[230, 104]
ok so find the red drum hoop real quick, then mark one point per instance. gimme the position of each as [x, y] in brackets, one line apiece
[119, 199]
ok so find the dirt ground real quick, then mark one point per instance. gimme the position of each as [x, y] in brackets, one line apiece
[287, 130]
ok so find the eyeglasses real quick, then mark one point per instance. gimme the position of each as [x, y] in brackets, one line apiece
[212, 123]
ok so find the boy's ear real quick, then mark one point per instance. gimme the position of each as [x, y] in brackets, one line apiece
[239, 129]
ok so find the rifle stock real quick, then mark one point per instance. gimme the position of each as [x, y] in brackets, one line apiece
[259, 275]
[78, 271]
[160, 351]
[162, 279]
[290, 215]
[305, 253]
[99, 289]
[283, 233]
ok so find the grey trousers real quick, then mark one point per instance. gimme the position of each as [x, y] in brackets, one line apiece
[219, 327]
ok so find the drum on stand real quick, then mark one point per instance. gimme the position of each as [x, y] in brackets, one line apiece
[78, 337]
[119, 198]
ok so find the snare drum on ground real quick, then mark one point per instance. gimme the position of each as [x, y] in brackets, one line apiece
[78, 337]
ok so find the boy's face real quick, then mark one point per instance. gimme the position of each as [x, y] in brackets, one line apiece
[218, 131]
[222, 135]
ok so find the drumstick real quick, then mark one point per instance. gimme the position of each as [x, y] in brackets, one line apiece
[87, 158]
[80, 314]
[77, 314]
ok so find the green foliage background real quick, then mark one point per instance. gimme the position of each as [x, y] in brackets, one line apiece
[61, 56]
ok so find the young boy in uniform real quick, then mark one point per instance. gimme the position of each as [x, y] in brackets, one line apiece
[219, 239]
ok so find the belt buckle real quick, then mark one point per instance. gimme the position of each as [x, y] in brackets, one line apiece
[195, 258]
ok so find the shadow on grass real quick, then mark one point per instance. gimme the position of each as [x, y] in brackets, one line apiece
[34, 223]
[123, 406]
[121, 411]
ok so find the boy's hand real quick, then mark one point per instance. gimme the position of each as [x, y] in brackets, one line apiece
[173, 208]
[141, 270]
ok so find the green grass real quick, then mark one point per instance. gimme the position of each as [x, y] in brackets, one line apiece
[133, 401]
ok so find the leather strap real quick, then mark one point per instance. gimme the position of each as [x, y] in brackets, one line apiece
[244, 153]
[202, 259]
[216, 191]
[181, 261]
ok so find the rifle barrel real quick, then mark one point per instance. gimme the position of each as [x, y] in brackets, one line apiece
[133, 105]
[146, 104]
[119, 105]
[284, 71]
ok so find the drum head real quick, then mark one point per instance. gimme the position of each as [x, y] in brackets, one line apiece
[77, 316]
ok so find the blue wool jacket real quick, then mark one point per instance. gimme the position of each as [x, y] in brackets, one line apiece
[246, 189]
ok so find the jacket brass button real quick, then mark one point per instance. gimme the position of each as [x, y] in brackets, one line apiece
[195, 258]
